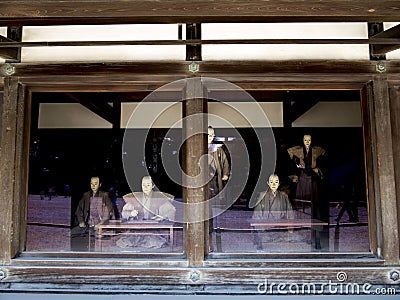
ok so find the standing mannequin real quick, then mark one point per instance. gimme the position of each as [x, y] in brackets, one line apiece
[218, 165]
[307, 174]
[219, 171]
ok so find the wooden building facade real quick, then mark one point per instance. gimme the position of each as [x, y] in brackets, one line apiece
[196, 270]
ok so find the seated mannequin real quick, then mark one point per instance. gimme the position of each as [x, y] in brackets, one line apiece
[146, 205]
[94, 208]
[272, 204]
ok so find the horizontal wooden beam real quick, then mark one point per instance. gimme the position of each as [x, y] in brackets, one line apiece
[372, 41]
[380, 49]
[46, 12]
[214, 68]
[8, 52]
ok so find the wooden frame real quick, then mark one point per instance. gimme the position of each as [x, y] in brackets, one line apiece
[33, 270]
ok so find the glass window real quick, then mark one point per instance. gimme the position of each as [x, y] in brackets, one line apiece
[96, 180]
[313, 198]
[126, 32]
[327, 30]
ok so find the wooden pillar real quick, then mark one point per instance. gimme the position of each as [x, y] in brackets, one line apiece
[385, 180]
[14, 150]
[194, 147]
[395, 119]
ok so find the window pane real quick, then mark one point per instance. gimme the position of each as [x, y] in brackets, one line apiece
[284, 31]
[81, 195]
[3, 32]
[396, 53]
[314, 201]
[102, 33]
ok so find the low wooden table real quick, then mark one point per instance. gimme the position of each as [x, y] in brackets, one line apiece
[253, 225]
[111, 228]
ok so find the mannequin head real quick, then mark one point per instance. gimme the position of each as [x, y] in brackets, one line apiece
[147, 185]
[95, 184]
[211, 134]
[307, 140]
[273, 182]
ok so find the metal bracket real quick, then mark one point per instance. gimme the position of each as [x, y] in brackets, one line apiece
[194, 67]
[194, 276]
[9, 69]
[3, 274]
[394, 275]
[380, 67]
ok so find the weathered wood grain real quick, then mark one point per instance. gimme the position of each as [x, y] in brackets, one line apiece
[9, 223]
[180, 11]
[384, 172]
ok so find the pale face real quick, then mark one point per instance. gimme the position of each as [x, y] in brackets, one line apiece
[95, 184]
[147, 185]
[211, 135]
[307, 141]
[273, 182]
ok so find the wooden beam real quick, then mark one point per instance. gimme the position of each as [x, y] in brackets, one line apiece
[8, 52]
[175, 70]
[192, 43]
[99, 107]
[393, 32]
[45, 12]
[300, 107]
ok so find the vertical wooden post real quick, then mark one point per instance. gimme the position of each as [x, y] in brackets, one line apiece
[368, 122]
[385, 171]
[195, 146]
[14, 151]
[395, 119]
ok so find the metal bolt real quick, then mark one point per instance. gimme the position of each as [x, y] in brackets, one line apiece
[3, 274]
[194, 67]
[194, 276]
[394, 275]
[380, 67]
[10, 69]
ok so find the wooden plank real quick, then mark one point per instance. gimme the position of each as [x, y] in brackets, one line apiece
[8, 149]
[22, 146]
[368, 121]
[7, 53]
[62, 275]
[150, 71]
[384, 42]
[46, 12]
[383, 49]
[385, 172]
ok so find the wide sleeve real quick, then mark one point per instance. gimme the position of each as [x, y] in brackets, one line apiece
[80, 210]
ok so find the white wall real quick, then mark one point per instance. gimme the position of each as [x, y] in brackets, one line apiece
[167, 114]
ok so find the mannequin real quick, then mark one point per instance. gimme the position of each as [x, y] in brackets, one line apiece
[95, 206]
[218, 165]
[143, 206]
[148, 204]
[272, 204]
[307, 173]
